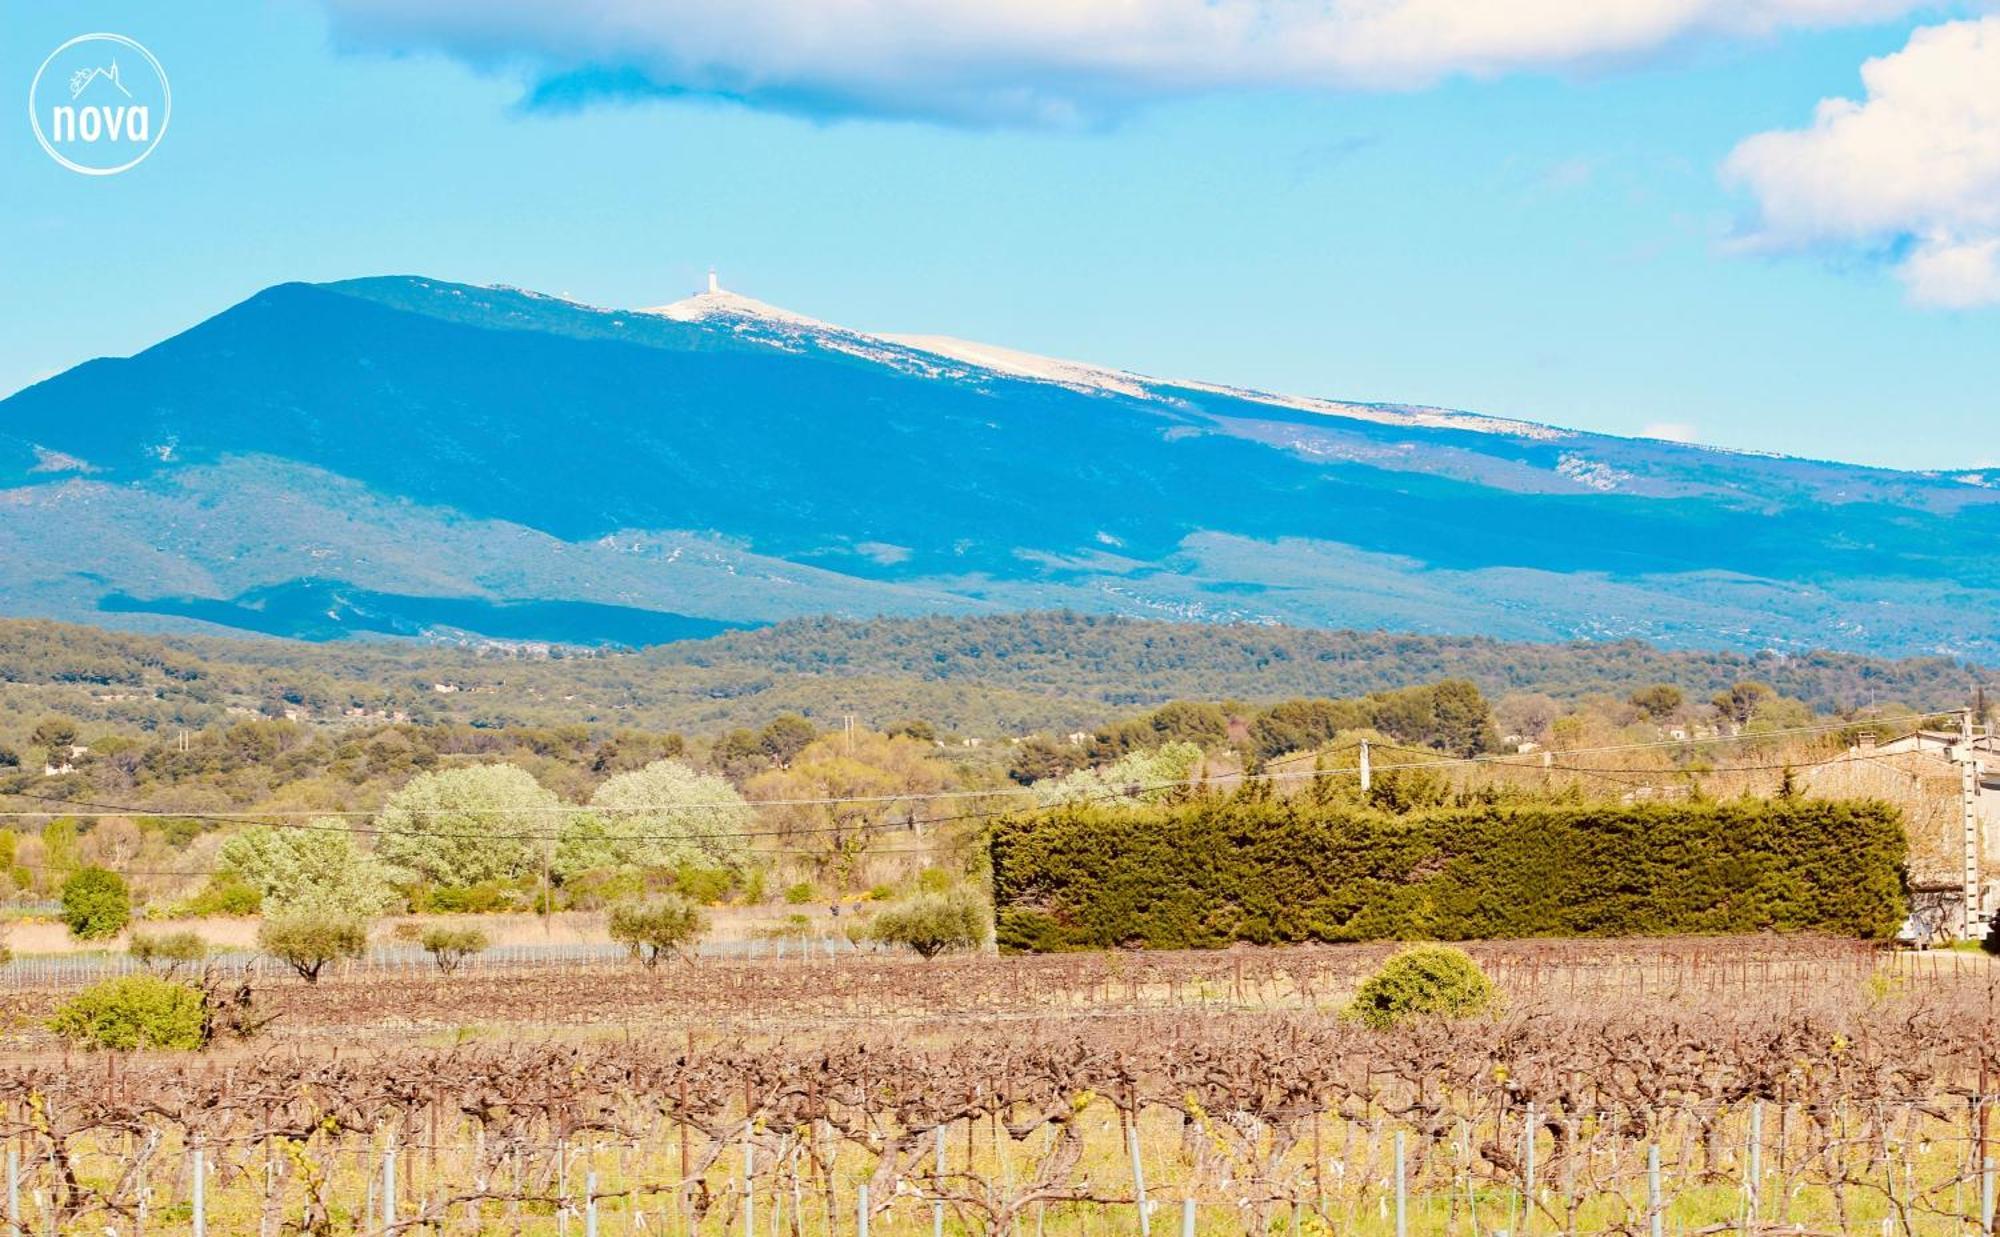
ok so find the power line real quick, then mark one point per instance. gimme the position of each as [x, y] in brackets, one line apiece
[338, 822]
[1515, 761]
[277, 821]
[1537, 761]
[932, 796]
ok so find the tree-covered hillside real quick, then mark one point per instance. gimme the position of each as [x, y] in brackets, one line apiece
[986, 676]
[1121, 663]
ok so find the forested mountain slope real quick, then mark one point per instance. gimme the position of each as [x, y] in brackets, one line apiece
[995, 675]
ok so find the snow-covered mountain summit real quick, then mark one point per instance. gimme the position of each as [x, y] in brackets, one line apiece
[718, 304]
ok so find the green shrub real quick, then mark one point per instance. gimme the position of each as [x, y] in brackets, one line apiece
[224, 894]
[133, 1011]
[167, 952]
[307, 939]
[800, 894]
[704, 886]
[176, 831]
[96, 903]
[1423, 981]
[484, 898]
[793, 927]
[1215, 870]
[935, 880]
[933, 923]
[449, 946]
[668, 924]
[594, 890]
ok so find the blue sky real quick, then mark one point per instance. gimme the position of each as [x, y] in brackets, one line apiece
[1558, 240]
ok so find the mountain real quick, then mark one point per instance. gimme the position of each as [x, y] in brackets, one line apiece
[407, 456]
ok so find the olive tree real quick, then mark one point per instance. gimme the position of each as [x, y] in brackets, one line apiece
[933, 923]
[652, 929]
[450, 946]
[464, 826]
[167, 952]
[306, 939]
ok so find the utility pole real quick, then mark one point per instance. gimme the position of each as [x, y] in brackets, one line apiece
[1367, 773]
[548, 899]
[1968, 794]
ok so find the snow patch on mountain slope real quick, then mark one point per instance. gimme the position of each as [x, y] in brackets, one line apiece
[1386, 414]
[1075, 375]
[1592, 474]
[757, 320]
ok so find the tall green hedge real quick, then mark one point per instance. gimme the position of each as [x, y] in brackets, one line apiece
[1215, 870]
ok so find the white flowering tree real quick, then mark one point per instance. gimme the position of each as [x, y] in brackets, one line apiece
[662, 816]
[464, 826]
[317, 867]
[1137, 777]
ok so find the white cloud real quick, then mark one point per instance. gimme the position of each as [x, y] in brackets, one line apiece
[1041, 61]
[1671, 431]
[1914, 168]
[1953, 273]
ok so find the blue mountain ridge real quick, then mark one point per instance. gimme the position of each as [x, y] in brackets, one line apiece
[371, 418]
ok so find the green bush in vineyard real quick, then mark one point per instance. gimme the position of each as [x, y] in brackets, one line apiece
[134, 1011]
[1423, 981]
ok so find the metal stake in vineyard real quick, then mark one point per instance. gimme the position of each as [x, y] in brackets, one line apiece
[1528, 1171]
[1402, 1191]
[937, 1207]
[1655, 1213]
[1139, 1177]
[1754, 1177]
[749, 1169]
[389, 1187]
[200, 1201]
